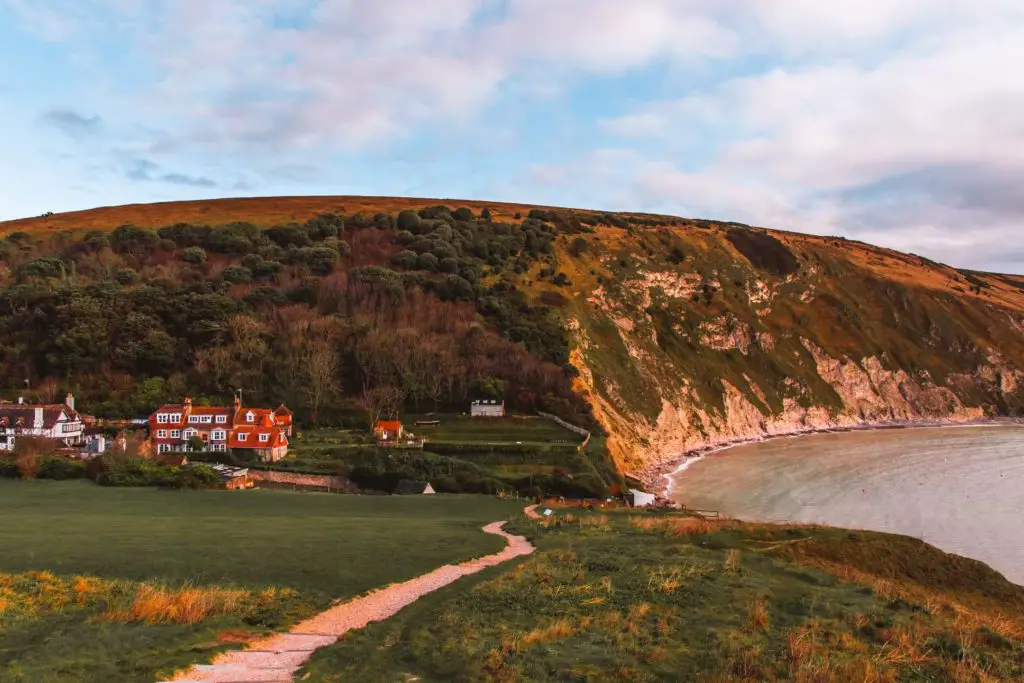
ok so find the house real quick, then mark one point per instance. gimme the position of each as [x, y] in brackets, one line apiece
[284, 418]
[173, 428]
[233, 478]
[388, 430]
[487, 407]
[639, 499]
[407, 487]
[60, 422]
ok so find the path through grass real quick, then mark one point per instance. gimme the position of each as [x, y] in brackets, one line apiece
[320, 546]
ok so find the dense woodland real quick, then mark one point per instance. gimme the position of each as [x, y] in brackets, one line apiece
[342, 318]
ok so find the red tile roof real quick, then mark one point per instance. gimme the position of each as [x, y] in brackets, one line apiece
[388, 425]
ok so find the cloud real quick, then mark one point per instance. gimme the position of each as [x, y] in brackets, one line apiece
[144, 170]
[72, 123]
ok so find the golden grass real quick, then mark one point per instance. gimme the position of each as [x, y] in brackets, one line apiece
[679, 526]
[732, 561]
[759, 620]
[157, 605]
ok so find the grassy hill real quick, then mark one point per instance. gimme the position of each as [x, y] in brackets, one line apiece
[664, 334]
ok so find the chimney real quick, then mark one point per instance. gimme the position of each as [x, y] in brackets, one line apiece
[187, 403]
[38, 424]
[238, 403]
[69, 401]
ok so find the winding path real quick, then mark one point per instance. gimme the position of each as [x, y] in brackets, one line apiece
[278, 658]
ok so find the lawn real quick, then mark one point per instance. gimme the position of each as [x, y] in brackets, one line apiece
[646, 597]
[510, 430]
[316, 547]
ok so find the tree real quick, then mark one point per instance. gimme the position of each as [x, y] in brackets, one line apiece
[196, 444]
[579, 247]
[319, 363]
[382, 401]
[194, 255]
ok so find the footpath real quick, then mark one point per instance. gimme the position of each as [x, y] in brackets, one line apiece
[278, 658]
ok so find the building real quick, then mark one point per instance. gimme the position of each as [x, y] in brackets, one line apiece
[60, 422]
[174, 427]
[487, 407]
[284, 418]
[639, 499]
[407, 487]
[388, 430]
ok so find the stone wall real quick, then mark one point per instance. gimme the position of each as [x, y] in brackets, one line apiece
[312, 481]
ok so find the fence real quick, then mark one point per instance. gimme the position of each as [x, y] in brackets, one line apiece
[571, 427]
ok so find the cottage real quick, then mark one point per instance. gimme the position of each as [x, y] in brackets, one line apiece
[487, 408]
[407, 487]
[173, 428]
[60, 422]
[388, 430]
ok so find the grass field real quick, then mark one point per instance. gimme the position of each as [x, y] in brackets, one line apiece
[312, 548]
[511, 430]
[628, 597]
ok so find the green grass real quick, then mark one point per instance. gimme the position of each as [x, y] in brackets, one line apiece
[509, 430]
[321, 546]
[607, 600]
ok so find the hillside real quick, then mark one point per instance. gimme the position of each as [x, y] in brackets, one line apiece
[670, 333]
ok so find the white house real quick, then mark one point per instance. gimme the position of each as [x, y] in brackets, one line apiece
[59, 422]
[639, 499]
[487, 408]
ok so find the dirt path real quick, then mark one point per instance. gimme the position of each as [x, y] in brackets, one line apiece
[276, 659]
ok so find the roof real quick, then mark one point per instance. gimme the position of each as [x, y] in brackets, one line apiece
[408, 487]
[276, 438]
[283, 411]
[389, 425]
[488, 402]
[27, 414]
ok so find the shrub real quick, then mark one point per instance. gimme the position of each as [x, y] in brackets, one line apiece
[194, 255]
[409, 221]
[236, 274]
[579, 247]
[126, 276]
[60, 469]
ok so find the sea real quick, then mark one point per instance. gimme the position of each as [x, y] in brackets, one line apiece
[960, 489]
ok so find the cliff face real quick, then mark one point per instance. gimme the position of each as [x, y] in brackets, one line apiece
[690, 337]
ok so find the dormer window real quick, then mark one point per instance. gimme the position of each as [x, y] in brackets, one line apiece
[162, 418]
[264, 438]
[243, 437]
[222, 419]
[249, 417]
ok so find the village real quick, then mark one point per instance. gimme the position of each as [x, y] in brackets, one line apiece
[242, 447]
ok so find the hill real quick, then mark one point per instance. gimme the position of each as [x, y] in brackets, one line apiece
[665, 334]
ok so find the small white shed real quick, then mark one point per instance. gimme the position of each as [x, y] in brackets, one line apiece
[639, 499]
[487, 408]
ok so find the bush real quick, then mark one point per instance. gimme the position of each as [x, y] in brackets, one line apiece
[579, 247]
[194, 255]
[60, 469]
[126, 276]
[236, 275]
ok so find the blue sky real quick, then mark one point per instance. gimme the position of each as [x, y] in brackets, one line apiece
[893, 121]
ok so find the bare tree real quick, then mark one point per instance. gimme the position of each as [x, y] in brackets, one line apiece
[319, 367]
[383, 401]
[48, 390]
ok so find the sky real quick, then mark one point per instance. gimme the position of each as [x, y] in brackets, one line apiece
[897, 122]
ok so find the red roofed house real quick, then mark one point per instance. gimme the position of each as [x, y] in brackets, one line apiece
[265, 431]
[388, 430]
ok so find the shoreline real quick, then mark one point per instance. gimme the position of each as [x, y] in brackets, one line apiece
[661, 476]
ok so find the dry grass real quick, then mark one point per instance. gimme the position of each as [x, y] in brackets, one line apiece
[679, 526]
[732, 561]
[556, 630]
[156, 605]
[759, 620]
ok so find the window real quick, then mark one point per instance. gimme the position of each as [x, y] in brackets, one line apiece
[161, 434]
[207, 419]
[218, 435]
[249, 417]
[194, 419]
[163, 448]
[243, 437]
[175, 433]
[221, 419]
[264, 438]
[162, 418]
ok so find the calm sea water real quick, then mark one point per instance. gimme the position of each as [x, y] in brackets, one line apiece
[960, 489]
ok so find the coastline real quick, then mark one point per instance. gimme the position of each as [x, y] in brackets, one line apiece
[660, 478]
